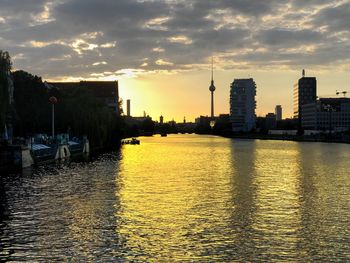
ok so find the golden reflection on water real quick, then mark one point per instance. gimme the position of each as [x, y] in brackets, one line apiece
[173, 197]
[210, 198]
[277, 216]
[207, 199]
[184, 198]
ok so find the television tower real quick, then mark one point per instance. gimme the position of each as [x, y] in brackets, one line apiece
[212, 89]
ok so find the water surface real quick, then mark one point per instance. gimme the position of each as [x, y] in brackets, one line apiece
[184, 198]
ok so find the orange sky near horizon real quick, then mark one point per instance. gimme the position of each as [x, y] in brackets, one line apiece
[186, 94]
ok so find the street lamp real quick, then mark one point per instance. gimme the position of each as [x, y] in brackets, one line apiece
[330, 109]
[212, 124]
[53, 101]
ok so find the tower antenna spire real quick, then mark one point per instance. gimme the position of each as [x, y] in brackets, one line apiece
[212, 69]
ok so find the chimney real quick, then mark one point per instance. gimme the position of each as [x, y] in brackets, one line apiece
[128, 108]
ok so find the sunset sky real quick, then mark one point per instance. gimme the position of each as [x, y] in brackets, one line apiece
[160, 51]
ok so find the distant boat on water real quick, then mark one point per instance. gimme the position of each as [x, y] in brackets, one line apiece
[133, 141]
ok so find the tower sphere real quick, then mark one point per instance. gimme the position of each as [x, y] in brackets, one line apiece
[212, 87]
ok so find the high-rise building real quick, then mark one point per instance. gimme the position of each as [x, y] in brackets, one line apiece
[128, 108]
[161, 119]
[212, 89]
[242, 105]
[278, 112]
[304, 93]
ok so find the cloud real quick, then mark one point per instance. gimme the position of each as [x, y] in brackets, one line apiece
[334, 18]
[288, 38]
[162, 62]
[180, 39]
[73, 37]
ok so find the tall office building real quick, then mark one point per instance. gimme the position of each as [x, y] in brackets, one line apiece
[304, 93]
[242, 105]
[278, 112]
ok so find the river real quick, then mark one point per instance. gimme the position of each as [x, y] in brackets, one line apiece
[183, 198]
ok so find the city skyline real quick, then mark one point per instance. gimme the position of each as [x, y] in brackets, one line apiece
[160, 51]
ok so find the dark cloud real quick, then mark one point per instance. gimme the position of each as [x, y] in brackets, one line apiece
[301, 4]
[288, 38]
[20, 7]
[251, 7]
[335, 18]
[70, 37]
[327, 55]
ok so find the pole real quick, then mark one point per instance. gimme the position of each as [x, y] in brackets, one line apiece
[53, 121]
[212, 104]
[330, 121]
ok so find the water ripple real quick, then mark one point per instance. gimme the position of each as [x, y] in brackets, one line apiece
[183, 198]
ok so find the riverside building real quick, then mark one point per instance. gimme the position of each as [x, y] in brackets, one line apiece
[242, 105]
[304, 93]
[326, 114]
[105, 91]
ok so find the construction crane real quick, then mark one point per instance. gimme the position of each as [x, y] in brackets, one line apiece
[343, 92]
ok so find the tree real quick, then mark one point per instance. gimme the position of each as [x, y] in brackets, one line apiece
[79, 111]
[5, 68]
[31, 104]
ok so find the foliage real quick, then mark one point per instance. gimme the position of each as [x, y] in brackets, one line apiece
[31, 103]
[77, 112]
[132, 127]
[80, 113]
[148, 125]
[5, 67]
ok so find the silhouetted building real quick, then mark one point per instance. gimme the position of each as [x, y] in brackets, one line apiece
[223, 118]
[172, 122]
[242, 105]
[138, 119]
[212, 89]
[203, 120]
[186, 127]
[106, 91]
[326, 114]
[278, 112]
[128, 108]
[161, 119]
[270, 121]
[304, 93]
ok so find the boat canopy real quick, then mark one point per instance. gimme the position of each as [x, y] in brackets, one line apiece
[36, 146]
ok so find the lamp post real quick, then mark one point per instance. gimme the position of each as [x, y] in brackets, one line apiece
[212, 124]
[330, 109]
[53, 101]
